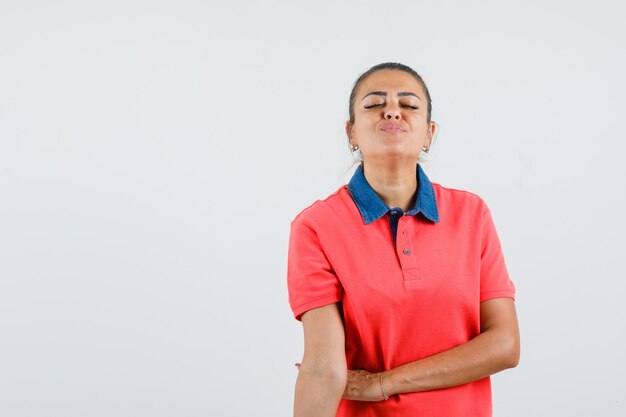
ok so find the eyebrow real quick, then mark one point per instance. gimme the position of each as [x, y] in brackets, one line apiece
[384, 94]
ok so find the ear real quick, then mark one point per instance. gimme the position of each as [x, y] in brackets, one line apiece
[348, 128]
[433, 132]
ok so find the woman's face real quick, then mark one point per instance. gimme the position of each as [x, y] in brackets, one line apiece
[390, 112]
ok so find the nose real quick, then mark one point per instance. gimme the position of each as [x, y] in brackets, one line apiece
[392, 113]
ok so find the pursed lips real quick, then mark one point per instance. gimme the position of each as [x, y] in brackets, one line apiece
[391, 127]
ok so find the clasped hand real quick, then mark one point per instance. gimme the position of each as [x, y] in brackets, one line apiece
[362, 385]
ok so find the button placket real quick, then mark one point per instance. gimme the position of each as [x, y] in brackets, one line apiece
[404, 249]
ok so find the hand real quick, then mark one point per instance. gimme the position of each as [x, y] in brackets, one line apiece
[363, 386]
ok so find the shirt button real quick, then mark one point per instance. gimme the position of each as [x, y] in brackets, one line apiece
[407, 251]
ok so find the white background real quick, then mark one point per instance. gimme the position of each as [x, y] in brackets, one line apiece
[153, 154]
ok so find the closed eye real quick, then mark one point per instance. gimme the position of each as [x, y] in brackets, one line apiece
[371, 106]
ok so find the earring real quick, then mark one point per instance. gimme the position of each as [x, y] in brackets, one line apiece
[354, 148]
[426, 148]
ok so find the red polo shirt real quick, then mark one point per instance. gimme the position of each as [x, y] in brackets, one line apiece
[405, 301]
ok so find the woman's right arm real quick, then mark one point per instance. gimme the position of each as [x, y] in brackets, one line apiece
[323, 374]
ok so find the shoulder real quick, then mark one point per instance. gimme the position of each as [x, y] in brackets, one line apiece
[454, 199]
[323, 209]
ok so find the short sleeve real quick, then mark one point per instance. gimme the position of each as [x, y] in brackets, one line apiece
[494, 277]
[311, 280]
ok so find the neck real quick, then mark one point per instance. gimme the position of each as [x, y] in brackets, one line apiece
[395, 184]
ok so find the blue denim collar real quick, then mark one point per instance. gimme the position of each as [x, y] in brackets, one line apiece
[372, 207]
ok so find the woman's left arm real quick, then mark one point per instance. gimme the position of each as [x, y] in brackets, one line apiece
[496, 348]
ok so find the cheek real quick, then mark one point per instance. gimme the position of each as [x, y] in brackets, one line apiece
[357, 127]
[420, 124]
[364, 131]
[365, 121]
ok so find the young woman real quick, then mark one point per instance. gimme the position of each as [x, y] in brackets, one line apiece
[400, 283]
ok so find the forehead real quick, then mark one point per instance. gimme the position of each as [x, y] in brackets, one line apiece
[390, 81]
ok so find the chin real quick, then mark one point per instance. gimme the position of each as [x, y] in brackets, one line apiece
[409, 156]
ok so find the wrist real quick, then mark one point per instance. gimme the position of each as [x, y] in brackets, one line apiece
[383, 390]
[391, 380]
